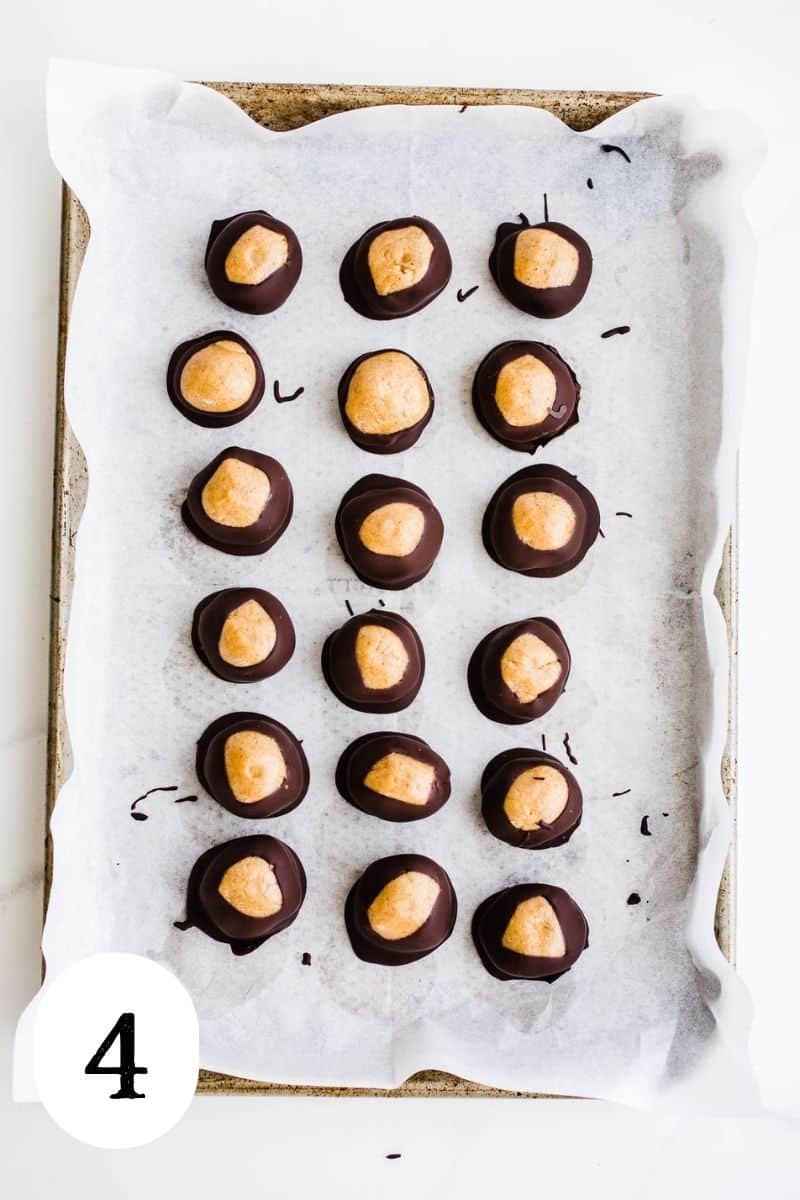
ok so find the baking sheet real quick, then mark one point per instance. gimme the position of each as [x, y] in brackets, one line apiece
[479, 462]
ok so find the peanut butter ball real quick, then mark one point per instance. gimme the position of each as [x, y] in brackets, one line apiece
[215, 380]
[375, 662]
[395, 269]
[390, 531]
[240, 503]
[524, 394]
[386, 400]
[543, 269]
[518, 671]
[531, 931]
[394, 776]
[253, 261]
[529, 799]
[245, 891]
[242, 634]
[541, 522]
[400, 910]
[252, 765]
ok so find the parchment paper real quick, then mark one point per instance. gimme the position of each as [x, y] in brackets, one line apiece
[652, 1001]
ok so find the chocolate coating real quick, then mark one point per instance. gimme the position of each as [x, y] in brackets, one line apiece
[369, 945]
[499, 776]
[249, 539]
[387, 571]
[358, 286]
[563, 413]
[361, 756]
[487, 687]
[256, 298]
[491, 920]
[544, 302]
[207, 910]
[344, 678]
[208, 621]
[212, 420]
[509, 551]
[210, 765]
[382, 443]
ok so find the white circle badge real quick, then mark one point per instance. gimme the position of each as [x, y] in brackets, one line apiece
[116, 1050]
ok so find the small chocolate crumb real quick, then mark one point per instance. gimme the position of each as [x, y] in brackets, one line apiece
[463, 108]
[625, 793]
[644, 829]
[617, 329]
[634, 898]
[382, 604]
[665, 814]
[623, 514]
[306, 959]
[544, 743]
[139, 816]
[589, 183]
[184, 799]
[608, 149]
[349, 607]
[462, 296]
[394, 1156]
[568, 749]
[279, 399]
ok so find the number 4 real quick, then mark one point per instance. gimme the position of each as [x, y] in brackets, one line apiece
[125, 1030]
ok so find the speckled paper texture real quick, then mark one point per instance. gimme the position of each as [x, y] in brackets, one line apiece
[652, 1001]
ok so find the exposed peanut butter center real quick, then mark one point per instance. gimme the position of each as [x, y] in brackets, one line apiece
[250, 887]
[219, 378]
[387, 394]
[403, 906]
[236, 494]
[537, 796]
[248, 635]
[255, 255]
[254, 765]
[544, 259]
[534, 930]
[399, 258]
[529, 667]
[401, 777]
[381, 657]
[525, 391]
[394, 529]
[543, 520]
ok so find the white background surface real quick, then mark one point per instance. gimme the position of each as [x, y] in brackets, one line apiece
[735, 54]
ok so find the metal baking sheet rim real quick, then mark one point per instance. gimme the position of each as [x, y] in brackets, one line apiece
[283, 107]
